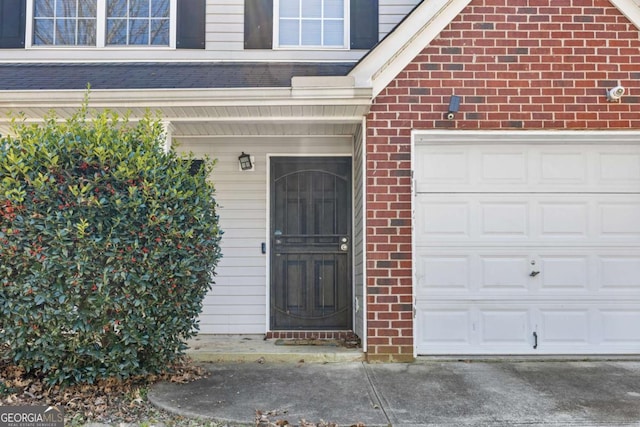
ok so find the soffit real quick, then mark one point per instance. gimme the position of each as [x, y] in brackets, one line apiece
[209, 112]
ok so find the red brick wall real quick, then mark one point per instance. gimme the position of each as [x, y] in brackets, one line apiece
[516, 64]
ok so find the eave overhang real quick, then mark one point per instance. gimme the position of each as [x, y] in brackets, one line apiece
[310, 106]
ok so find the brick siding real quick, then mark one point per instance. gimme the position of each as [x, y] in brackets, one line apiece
[516, 64]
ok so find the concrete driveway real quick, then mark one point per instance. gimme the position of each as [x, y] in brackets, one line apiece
[425, 393]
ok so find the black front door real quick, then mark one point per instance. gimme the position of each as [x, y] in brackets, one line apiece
[311, 243]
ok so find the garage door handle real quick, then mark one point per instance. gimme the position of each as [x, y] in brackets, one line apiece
[535, 340]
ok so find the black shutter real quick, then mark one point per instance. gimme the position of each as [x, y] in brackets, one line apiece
[364, 24]
[13, 17]
[191, 24]
[258, 24]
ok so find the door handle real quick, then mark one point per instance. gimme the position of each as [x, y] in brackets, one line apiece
[534, 273]
[535, 340]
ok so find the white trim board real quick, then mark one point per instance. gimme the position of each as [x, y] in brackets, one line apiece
[525, 137]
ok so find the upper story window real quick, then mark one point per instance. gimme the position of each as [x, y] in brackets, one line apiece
[138, 22]
[312, 23]
[64, 22]
[99, 23]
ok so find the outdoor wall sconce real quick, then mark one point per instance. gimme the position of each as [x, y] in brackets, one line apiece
[245, 162]
[454, 107]
[614, 94]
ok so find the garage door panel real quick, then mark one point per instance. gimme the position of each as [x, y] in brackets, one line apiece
[527, 218]
[562, 273]
[503, 168]
[563, 326]
[524, 168]
[446, 325]
[569, 166]
[451, 272]
[481, 272]
[504, 219]
[504, 326]
[512, 240]
[444, 220]
[447, 274]
[619, 219]
[445, 167]
[575, 328]
[463, 327]
[620, 167]
[620, 273]
[474, 329]
[508, 327]
[506, 273]
[561, 219]
[615, 324]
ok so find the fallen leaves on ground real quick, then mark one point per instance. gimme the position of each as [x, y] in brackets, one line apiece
[106, 401]
[264, 419]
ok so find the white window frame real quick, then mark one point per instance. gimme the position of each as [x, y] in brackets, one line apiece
[101, 28]
[276, 31]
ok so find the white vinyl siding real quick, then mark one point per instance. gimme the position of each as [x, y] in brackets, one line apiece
[391, 13]
[237, 304]
[225, 26]
[224, 42]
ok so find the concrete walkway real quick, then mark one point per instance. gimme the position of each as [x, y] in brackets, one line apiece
[249, 348]
[424, 393]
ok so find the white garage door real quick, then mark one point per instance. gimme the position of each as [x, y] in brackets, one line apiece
[527, 249]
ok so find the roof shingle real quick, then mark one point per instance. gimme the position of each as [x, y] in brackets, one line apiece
[160, 75]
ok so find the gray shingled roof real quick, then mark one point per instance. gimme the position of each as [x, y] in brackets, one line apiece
[160, 75]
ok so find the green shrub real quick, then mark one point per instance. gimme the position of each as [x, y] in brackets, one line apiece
[107, 247]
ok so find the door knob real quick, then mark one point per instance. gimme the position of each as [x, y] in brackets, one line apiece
[534, 273]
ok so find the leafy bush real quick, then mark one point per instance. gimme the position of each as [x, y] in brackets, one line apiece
[107, 247]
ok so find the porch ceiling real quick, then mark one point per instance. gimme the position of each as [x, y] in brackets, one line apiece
[209, 112]
[190, 129]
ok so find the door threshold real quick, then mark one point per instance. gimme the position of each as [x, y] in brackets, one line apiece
[347, 337]
[343, 339]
